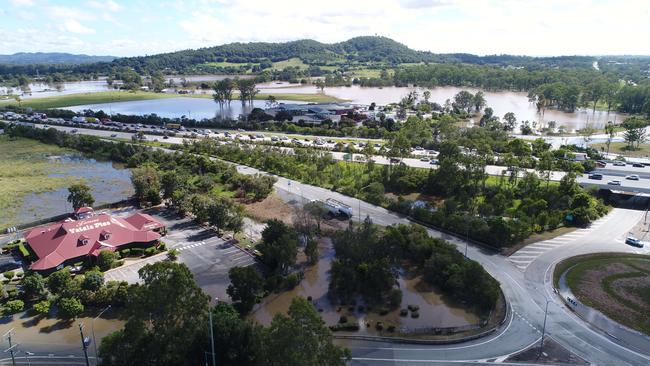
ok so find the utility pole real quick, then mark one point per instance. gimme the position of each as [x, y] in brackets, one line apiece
[541, 343]
[11, 347]
[84, 344]
[92, 327]
[214, 357]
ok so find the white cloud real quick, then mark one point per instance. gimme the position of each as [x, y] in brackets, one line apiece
[22, 2]
[74, 26]
[109, 5]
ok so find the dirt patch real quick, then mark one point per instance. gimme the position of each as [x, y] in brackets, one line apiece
[552, 353]
[591, 290]
[272, 207]
[632, 289]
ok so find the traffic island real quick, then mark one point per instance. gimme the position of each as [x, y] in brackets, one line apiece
[552, 353]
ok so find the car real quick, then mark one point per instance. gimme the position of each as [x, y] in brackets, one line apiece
[614, 182]
[46, 126]
[596, 176]
[634, 242]
[632, 177]
[434, 162]
[638, 165]
[114, 135]
[619, 163]
[394, 160]
[419, 148]
[424, 159]
[74, 131]
[165, 137]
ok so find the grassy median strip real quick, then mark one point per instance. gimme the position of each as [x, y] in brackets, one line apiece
[70, 100]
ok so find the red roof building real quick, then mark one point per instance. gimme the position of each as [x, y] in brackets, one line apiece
[69, 240]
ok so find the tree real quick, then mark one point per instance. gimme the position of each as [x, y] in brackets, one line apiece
[635, 133]
[93, 280]
[157, 81]
[223, 91]
[69, 307]
[279, 246]
[510, 121]
[464, 100]
[271, 101]
[610, 130]
[245, 287]
[58, 281]
[479, 101]
[80, 195]
[320, 84]
[34, 286]
[146, 184]
[166, 320]
[238, 341]
[311, 251]
[317, 210]
[106, 260]
[426, 95]
[301, 326]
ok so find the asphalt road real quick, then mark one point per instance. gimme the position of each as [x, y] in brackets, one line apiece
[527, 291]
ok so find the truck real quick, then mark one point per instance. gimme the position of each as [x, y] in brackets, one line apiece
[337, 208]
[173, 126]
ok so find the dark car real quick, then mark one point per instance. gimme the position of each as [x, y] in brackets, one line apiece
[9, 263]
[596, 176]
[638, 165]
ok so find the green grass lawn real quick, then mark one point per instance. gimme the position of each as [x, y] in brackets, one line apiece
[620, 148]
[124, 96]
[366, 73]
[635, 266]
[293, 62]
[25, 169]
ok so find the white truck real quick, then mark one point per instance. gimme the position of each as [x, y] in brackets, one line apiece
[337, 208]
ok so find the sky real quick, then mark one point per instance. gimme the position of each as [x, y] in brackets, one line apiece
[139, 27]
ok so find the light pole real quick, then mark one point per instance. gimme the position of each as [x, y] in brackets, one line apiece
[92, 327]
[541, 343]
[11, 347]
[84, 343]
[214, 356]
[359, 199]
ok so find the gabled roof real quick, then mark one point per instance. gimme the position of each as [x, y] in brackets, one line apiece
[62, 241]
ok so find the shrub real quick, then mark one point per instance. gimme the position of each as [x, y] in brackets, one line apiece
[291, 281]
[150, 251]
[391, 328]
[9, 275]
[403, 312]
[14, 306]
[162, 246]
[343, 319]
[13, 293]
[383, 310]
[106, 260]
[379, 326]
[137, 252]
[172, 254]
[346, 327]
[413, 307]
[125, 252]
[23, 250]
[42, 307]
[394, 298]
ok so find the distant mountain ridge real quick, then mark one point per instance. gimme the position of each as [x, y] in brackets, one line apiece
[365, 49]
[28, 58]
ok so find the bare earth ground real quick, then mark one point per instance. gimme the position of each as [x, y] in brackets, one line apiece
[272, 207]
[553, 353]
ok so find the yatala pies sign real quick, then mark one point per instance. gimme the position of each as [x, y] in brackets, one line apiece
[89, 226]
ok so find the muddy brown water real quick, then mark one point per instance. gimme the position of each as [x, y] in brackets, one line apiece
[435, 310]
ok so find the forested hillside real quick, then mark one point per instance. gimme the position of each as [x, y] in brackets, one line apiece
[28, 58]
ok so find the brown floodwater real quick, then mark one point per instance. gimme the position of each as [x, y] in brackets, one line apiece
[435, 310]
[501, 102]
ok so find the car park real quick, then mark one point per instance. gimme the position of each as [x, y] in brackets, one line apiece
[632, 177]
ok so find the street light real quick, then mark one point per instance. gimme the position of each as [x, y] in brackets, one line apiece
[541, 344]
[359, 199]
[92, 327]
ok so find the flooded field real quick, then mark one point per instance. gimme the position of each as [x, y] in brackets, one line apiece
[34, 180]
[51, 335]
[501, 102]
[434, 311]
[197, 108]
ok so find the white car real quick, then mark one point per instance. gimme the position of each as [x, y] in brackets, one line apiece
[619, 163]
[632, 177]
[614, 182]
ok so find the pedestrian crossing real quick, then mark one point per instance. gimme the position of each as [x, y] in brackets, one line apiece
[526, 255]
